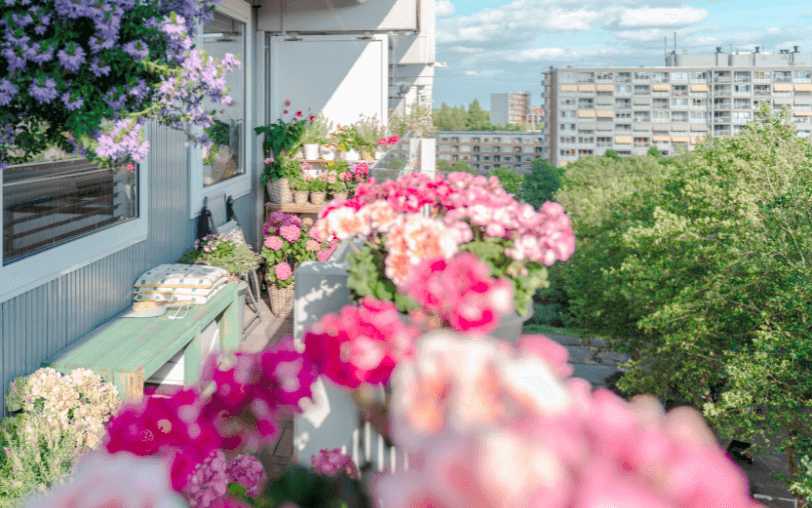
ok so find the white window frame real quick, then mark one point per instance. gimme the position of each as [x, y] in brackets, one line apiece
[33, 271]
[240, 185]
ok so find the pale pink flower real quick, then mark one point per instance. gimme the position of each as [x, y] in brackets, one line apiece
[122, 479]
[282, 271]
[312, 246]
[274, 243]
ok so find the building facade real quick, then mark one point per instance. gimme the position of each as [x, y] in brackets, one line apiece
[629, 110]
[486, 150]
[510, 108]
[536, 118]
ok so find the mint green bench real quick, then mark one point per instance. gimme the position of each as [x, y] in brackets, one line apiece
[126, 351]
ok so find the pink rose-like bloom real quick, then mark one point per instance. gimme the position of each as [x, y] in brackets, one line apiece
[306, 166]
[122, 480]
[324, 255]
[332, 462]
[282, 271]
[290, 233]
[209, 483]
[130, 166]
[274, 243]
[362, 169]
[346, 176]
[269, 160]
[287, 102]
[312, 246]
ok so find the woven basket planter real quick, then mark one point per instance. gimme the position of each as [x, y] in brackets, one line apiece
[282, 300]
[300, 197]
[340, 195]
[279, 191]
[318, 198]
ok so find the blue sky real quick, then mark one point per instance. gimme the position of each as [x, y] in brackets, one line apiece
[495, 46]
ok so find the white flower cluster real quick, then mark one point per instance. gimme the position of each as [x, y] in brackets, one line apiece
[80, 401]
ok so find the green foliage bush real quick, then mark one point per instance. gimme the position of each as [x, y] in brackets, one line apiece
[542, 183]
[699, 267]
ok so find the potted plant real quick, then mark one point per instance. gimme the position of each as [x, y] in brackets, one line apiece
[318, 188]
[385, 144]
[299, 185]
[281, 138]
[368, 131]
[315, 135]
[289, 241]
[346, 142]
[336, 187]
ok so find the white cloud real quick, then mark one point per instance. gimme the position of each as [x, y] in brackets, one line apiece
[655, 17]
[538, 54]
[773, 29]
[444, 8]
[471, 73]
[463, 49]
[807, 14]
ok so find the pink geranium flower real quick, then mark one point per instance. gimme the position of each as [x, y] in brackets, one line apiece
[290, 232]
[332, 462]
[274, 243]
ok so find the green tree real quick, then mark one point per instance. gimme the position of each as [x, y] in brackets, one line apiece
[541, 183]
[698, 269]
[654, 152]
[442, 118]
[459, 118]
[511, 181]
[462, 167]
[477, 118]
[612, 154]
[443, 166]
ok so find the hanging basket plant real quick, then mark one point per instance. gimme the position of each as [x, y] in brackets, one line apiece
[86, 77]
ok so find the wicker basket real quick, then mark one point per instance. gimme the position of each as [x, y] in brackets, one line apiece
[300, 197]
[318, 198]
[282, 299]
[340, 195]
[279, 192]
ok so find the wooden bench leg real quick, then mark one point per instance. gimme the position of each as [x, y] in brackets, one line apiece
[191, 360]
[130, 385]
[230, 327]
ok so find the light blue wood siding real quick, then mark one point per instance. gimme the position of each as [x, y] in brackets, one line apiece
[41, 322]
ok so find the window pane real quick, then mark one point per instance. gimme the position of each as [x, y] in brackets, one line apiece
[47, 204]
[226, 158]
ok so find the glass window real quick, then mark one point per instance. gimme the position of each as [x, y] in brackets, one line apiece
[46, 204]
[623, 114]
[586, 77]
[226, 157]
[605, 76]
[641, 89]
[701, 75]
[679, 103]
[642, 116]
[803, 75]
[659, 77]
[642, 75]
[623, 89]
[679, 116]
[679, 76]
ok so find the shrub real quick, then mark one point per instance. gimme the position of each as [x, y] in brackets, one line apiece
[542, 183]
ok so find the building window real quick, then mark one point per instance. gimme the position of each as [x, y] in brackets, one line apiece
[604, 142]
[586, 103]
[226, 158]
[743, 115]
[698, 103]
[679, 116]
[624, 77]
[741, 77]
[699, 116]
[741, 103]
[565, 140]
[741, 89]
[567, 76]
[623, 127]
[659, 103]
[586, 140]
[568, 114]
[761, 90]
[782, 76]
[497, 140]
[803, 75]
[679, 103]
[640, 142]
[624, 153]
[567, 103]
[679, 76]
[642, 90]
[586, 77]
[660, 116]
[679, 90]
[605, 76]
[486, 140]
[761, 75]
[642, 75]
[567, 153]
[465, 140]
[642, 116]
[567, 126]
[507, 158]
[623, 103]
[47, 204]
[699, 76]
[659, 77]
[443, 140]
[623, 115]
[623, 89]
[585, 152]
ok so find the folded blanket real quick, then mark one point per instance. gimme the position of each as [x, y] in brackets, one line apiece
[181, 276]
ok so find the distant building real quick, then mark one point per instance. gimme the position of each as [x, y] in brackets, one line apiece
[629, 110]
[510, 108]
[486, 150]
[536, 118]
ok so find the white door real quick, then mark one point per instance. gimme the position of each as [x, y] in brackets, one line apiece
[340, 76]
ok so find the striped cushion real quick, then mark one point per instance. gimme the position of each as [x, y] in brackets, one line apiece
[181, 276]
[177, 298]
[181, 290]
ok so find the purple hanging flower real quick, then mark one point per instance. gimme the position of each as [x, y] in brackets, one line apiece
[22, 21]
[97, 70]
[38, 55]
[7, 91]
[118, 103]
[136, 49]
[72, 58]
[43, 90]
[72, 106]
[139, 90]
[99, 43]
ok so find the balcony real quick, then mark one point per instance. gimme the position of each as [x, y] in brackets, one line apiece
[722, 119]
[782, 79]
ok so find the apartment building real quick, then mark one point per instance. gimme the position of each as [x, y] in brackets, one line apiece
[510, 108]
[536, 118]
[591, 110]
[486, 150]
